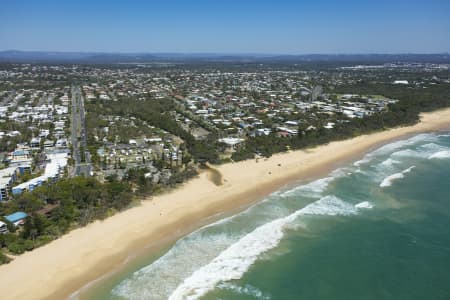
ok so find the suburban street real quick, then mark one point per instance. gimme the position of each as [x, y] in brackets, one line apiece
[81, 156]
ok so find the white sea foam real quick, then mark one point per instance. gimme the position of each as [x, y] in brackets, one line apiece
[423, 151]
[233, 262]
[397, 149]
[159, 279]
[430, 137]
[206, 243]
[378, 172]
[389, 148]
[359, 171]
[391, 178]
[317, 187]
[432, 146]
[247, 290]
[199, 248]
[407, 153]
[366, 159]
[224, 220]
[440, 155]
[364, 204]
[226, 253]
[390, 162]
[312, 189]
[402, 143]
[410, 153]
[257, 206]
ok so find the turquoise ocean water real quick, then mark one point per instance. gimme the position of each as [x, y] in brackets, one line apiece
[375, 229]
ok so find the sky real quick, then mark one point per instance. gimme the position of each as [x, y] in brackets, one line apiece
[227, 26]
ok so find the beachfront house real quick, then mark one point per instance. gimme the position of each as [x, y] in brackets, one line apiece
[231, 142]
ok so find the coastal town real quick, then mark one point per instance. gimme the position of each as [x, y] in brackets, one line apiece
[155, 126]
[224, 150]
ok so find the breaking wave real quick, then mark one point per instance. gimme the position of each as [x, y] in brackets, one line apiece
[232, 263]
[408, 153]
[364, 204]
[181, 260]
[440, 155]
[399, 147]
[315, 188]
[390, 162]
[365, 160]
[423, 151]
[432, 146]
[203, 245]
[403, 143]
[215, 255]
[390, 179]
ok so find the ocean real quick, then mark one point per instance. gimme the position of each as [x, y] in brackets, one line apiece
[375, 229]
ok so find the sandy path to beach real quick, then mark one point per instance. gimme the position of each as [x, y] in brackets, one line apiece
[58, 269]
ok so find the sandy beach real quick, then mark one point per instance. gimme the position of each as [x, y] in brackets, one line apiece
[62, 267]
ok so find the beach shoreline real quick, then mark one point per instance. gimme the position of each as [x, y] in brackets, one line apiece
[58, 269]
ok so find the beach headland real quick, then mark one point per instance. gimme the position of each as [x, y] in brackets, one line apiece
[62, 267]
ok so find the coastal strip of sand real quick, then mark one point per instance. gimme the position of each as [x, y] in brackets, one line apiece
[60, 268]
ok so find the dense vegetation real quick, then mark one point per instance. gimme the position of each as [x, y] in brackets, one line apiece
[412, 101]
[55, 209]
[8, 143]
[154, 112]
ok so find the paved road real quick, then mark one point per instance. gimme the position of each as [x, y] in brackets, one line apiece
[80, 154]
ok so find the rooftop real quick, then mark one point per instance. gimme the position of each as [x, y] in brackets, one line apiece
[17, 216]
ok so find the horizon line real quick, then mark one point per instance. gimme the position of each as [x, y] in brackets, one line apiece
[227, 53]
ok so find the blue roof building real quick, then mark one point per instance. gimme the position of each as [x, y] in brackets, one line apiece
[16, 217]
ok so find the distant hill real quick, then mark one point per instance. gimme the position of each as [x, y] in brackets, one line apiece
[108, 58]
